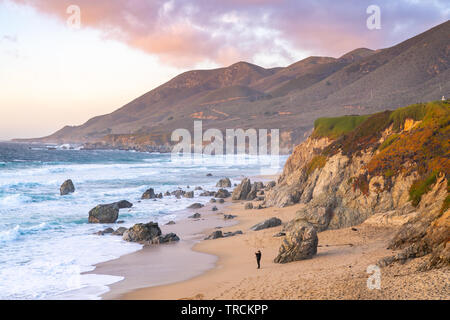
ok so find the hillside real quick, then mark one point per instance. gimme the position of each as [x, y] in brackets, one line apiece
[244, 95]
[391, 168]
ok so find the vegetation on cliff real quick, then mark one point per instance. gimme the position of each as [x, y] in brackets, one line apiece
[417, 141]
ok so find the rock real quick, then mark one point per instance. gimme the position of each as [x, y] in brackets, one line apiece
[270, 223]
[215, 235]
[124, 204]
[106, 231]
[149, 194]
[167, 194]
[221, 201]
[120, 221]
[242, 190]
[178, 193]
[170, 223]
[67, 187]
[195, 216]
[232, 234]
[258, 186]
[159, 195]
[298, 245]
[214, 208]
[248, 206]
[213, 200]
[104, 213]
[228, 216]
[259, 206]
[354, 229]
[142, 232]
[196, 206]
[209, 175]
[222, 193]
[189, 194]
[207, 194]
[198, 188]
[170, 237]
[279, 234]
[224, 183]
[317, 216]
[270, 185]
[120, 231]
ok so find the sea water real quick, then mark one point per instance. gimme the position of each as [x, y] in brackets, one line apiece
[46, 242]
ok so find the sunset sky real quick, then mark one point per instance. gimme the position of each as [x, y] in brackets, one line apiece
[52, 74]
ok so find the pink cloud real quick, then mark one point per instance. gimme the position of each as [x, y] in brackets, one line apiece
[186, 32]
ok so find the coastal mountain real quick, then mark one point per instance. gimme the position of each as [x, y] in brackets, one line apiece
[244, 95]
[389, 169]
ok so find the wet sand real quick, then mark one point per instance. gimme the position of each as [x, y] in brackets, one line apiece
[338, 271]
[167, 263]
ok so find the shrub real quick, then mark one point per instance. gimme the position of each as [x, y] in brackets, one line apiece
[421, 186]
[317, 162]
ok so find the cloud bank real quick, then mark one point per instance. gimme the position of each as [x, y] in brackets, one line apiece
[183, 33]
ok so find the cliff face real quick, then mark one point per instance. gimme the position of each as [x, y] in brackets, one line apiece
[390, 168]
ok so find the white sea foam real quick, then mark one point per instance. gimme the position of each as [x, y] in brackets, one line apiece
[46, 242]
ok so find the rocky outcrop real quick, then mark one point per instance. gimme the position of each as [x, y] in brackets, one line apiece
[298, 245]
[67, 187]
[142, 232]
[392, 169]
[242, 190]
[270, 223]
[104, 213]
[224, 183]
[149, 194]
[426, 233]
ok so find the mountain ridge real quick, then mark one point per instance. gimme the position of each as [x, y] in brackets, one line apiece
[249, 96]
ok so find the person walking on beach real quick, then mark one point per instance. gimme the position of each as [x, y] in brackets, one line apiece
[258, 258]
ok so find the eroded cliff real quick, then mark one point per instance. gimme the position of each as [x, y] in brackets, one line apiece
[390, 168]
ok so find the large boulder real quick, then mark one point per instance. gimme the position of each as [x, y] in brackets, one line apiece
[149, 194]
[67, 187]
[222, 194]
[224, 183]
[104, 213]
[298, 245]
[142, 232]
[242, 190]
[270, 223]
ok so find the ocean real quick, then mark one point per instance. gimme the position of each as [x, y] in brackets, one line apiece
[46, 241]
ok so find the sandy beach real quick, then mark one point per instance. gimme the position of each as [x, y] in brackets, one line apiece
[338, 271]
